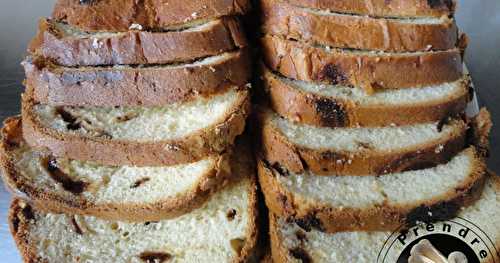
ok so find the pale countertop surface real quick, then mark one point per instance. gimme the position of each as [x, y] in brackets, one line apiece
[479, 19]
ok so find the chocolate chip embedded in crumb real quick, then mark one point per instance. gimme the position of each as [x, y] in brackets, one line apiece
[301, 254]
[365, 145]
[28, 213]
[231, 214]
[442, 123]
[154, 257]
[301, 235]
[68, 184]
[126, 117]
[309, 222]
[140, 182]
[72, 121]
[332, 113]
[78, 230]
[332, 74]
[238, 244]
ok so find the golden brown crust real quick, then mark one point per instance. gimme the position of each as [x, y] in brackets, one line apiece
[277, 149]
[351, 31]
[22, 214]
[137, 47]
[370, 71]
[211, 140]
[71, 203]
[388, 216]
[133, 86]
[119, 15]
[325, 111]
[393, 8]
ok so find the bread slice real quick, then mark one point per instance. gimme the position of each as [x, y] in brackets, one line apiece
[363, 247]
[341, 106]
[110, 192]
[393, 8]
[120, 15]
[172, 134]
[347, 203]
[358, 32]
[222, 230]
[359, 151]
[69, 46]
[369, 70]
[146, 85]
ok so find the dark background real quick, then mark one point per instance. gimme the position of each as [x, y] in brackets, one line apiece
[480, 19]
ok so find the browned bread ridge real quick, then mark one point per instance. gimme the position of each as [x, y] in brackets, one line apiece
[67, 46]
[120, 15]
[62, 186]
[364, 151]
[152, 85]
[358, 32]
[369, 70]
[392, 8]
[337, 106]
[385, 207]
[77, 141]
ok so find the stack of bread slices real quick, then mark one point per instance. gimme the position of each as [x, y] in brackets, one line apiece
[365, 129]
[126, 149]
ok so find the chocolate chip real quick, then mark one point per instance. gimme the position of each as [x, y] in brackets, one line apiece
[140, 182]
[332, 113]
[301, 236]
[301, 254]
[308, 223]
[442, 123]
[280, 169]
[231, 214]
[78, 230]
[126, 117]
[28, 213]
[154, 257]
[72, 121]
[440, 3]
[15, 223]
[68, 184]
[333, 74]
[365, 145]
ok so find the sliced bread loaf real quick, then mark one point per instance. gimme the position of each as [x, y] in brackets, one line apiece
[342, 106]
[110, 192]
[369, 70]
[290, 243]
[69, 46]
[359, 32]
[222, 230]
[172, 134]
[120, 15]
[150, 85]
[359, 151]
[392, 8]
[347, 203]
